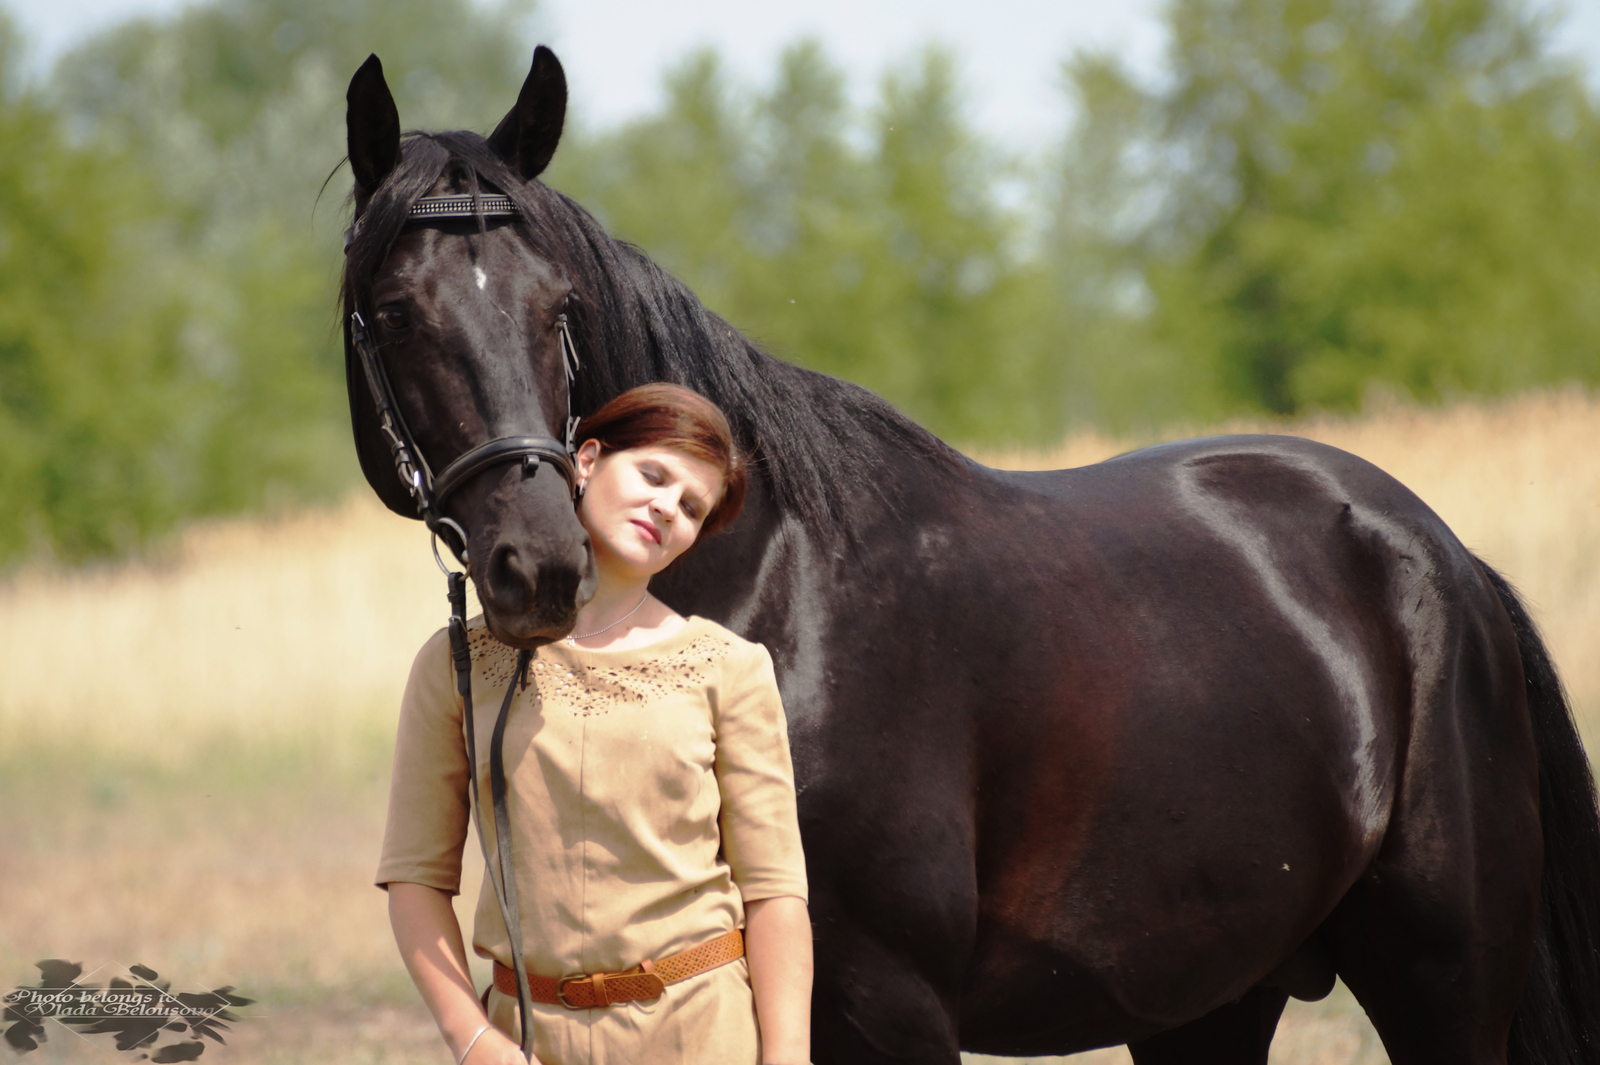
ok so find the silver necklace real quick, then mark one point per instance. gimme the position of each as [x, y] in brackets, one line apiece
[573, 640]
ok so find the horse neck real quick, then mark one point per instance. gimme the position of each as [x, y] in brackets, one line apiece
[828, 449]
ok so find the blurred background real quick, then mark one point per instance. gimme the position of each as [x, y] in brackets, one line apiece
[1048, 232]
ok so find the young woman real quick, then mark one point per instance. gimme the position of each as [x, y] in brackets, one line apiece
[651, 798]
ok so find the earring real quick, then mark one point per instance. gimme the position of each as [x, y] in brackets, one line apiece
[577, 493]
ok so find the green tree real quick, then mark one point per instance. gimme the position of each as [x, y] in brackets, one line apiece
[1337, 194]
[87, 382]
[948, 280]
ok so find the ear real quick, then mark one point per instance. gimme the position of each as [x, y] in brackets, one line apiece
[527, 137]
[372, 126]
[587, 455]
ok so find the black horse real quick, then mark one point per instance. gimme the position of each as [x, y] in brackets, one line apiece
[1122, 754]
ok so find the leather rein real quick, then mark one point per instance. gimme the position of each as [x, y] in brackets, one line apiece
[430, 492]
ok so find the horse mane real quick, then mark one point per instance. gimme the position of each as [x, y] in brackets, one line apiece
[813, 437]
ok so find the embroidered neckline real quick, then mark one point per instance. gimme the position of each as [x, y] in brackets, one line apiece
[589, 688]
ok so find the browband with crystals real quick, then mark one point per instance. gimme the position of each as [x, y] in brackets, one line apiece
[495, 205]
[461, 206]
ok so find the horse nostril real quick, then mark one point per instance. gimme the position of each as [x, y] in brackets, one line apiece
[510, 585]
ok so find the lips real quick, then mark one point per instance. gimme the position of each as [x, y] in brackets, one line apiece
[650, 531]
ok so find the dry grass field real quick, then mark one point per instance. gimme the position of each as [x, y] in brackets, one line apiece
[194, 748]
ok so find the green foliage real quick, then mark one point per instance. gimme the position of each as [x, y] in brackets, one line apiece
[226, 72]
[1334, 195]
[85, 349]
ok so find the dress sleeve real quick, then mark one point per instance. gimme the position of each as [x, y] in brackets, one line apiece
[428, 812]
[760, 830]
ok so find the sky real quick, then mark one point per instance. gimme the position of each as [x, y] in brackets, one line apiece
[614, 51]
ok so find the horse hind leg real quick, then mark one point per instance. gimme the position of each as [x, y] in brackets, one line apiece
[1439, 980]
[1434, 940]
[1238, 1033]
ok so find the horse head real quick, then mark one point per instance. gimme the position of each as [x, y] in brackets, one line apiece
[458, 323]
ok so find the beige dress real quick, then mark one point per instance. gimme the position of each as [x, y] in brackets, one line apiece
[650, 797]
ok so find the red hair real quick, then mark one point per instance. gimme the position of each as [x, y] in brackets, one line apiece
[667, 415]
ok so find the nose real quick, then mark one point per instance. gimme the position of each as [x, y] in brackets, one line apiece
[527, 599]
[531, 559]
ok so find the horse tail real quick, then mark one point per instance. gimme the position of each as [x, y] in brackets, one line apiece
[1558, 1019]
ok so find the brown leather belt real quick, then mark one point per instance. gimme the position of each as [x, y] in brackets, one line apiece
[646, 980]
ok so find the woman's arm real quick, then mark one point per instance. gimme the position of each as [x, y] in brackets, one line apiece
[777, 944]
[429, 937]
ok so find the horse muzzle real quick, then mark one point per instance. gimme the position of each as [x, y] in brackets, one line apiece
[529, 598]
[530, 558]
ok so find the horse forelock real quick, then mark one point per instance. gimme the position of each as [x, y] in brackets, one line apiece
[815, 439]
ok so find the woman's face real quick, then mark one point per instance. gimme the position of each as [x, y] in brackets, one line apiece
[643, 507]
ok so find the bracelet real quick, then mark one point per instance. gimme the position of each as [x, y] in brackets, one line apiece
[471, 1043]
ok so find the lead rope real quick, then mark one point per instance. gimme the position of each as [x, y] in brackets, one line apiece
[505, 885]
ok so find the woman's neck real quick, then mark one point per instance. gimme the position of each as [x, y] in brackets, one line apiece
[622, 616]
[612, 601]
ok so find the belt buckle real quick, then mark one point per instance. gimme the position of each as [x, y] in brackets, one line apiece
[561, 989]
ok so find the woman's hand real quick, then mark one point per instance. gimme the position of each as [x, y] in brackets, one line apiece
[777, 945]
[429, 938]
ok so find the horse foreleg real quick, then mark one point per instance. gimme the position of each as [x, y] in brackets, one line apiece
[874, 1003]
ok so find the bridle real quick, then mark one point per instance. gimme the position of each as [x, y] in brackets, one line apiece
[427, 490]
[430, 492]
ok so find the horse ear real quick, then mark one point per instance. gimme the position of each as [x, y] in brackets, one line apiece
[372, 126]
[527, 137]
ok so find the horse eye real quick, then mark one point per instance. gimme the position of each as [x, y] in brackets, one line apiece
[392, 319]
